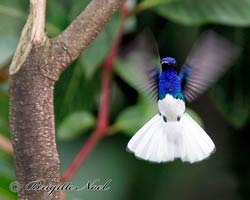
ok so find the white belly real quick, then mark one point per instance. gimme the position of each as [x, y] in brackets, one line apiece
[171, 108]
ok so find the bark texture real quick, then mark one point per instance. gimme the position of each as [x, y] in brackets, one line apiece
[32, 87]
[33, 129]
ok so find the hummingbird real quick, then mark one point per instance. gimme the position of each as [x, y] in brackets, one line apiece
[172, 133]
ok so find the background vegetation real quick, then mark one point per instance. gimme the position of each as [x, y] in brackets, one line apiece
[224, 110]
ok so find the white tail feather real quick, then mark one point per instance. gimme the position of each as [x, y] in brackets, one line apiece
[160, 141]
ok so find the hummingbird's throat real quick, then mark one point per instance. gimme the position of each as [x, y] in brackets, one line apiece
[171, 109]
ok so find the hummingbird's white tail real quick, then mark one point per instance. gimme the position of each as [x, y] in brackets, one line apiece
[160, 141]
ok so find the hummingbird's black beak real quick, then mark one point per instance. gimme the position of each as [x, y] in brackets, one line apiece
[165, 65]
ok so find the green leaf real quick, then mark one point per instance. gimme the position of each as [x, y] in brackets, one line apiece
[92, 58]
[118, 100]
[56, 18]
[4, 114]
[77, 6]
[73, 92]
[232, 102]
[8, 45]
[7, 175]
[12, 17]
[75, 124]
[151, 3]
[5, 193]
[133, 117]
[129, 120]
[126, 70]
[197, 12]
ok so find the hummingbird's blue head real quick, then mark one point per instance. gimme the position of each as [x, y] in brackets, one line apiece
[168, 62]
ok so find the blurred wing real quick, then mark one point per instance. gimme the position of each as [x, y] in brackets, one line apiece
[150, 84]
[210, 57]
[143, 53]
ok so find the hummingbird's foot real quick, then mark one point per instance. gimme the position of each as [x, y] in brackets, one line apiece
[164, 118]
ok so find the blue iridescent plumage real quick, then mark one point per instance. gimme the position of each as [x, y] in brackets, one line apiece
[169, 81]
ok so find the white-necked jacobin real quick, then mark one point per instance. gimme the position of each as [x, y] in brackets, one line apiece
[172, 133]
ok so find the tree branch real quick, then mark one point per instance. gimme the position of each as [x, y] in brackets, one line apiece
[32, 34]
[79, 34]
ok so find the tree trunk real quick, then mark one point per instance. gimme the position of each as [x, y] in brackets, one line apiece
[37, 64]
[32, 126]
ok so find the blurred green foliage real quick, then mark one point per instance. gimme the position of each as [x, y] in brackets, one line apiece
[74, 124]
[175, 24]
[196, 12]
